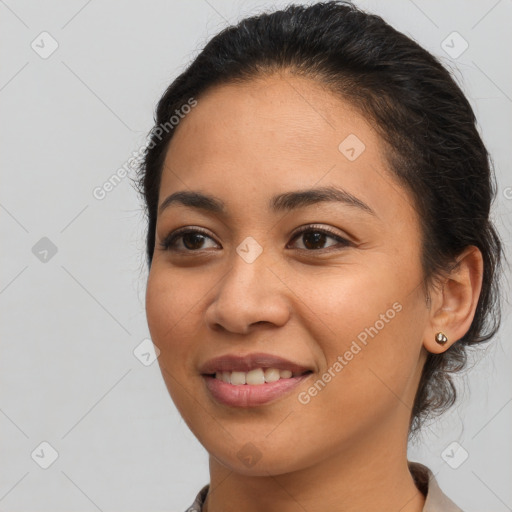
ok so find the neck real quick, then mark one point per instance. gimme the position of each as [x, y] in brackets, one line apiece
[372, 476]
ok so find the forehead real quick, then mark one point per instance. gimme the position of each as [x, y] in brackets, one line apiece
[281, 112]
[279, 133]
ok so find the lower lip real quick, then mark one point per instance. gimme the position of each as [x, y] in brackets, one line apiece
[246, 395]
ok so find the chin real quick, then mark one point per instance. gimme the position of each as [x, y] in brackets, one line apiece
[251, 461]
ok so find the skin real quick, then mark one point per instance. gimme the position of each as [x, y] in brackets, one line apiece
[346, 449]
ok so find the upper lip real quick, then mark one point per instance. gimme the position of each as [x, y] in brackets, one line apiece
[237, 363]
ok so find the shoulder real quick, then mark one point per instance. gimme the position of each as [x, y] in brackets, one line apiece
[198, 502]
[435, 499]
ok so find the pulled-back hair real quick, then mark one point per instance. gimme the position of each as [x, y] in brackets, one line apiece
[428, 126]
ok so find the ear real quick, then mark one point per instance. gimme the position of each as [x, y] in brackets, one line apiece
[454, 302]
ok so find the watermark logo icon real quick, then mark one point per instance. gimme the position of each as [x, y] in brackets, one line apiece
[351, 147]
[249, 249]
[454, 455]
[44, 250]
[146, 352]
[454, 45]
[249, 455]
[44, 45]
[44, 455]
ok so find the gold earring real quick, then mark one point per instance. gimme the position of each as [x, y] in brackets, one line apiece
[441, 338]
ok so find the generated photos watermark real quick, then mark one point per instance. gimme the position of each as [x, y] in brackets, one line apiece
[101, 191]
[304, 397]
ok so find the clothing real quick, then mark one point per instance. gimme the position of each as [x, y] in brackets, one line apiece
[435, 501]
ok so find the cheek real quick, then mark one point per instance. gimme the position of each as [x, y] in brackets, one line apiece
[350, 303]
[367, 325]
[171, 317]
[171, 310]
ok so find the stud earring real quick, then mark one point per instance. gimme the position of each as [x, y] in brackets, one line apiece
[441, 338]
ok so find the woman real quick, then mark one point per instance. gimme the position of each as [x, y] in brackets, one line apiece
[320, 255]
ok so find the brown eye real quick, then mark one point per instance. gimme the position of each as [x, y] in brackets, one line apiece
[193, 240]
[314, 239]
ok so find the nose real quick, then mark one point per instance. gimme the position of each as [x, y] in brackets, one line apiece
[250, 294]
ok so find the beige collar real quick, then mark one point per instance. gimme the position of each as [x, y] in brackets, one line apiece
[436, 500]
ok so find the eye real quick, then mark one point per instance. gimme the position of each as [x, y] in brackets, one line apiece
[314, 236]
[192, 240]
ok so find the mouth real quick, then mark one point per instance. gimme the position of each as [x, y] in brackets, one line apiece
[248, 394]
[251, 380]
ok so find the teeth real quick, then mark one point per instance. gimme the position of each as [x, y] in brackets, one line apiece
[272, 375]
[237, 378]
[255, 377]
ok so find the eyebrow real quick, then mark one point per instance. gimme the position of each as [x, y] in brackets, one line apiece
[286, 201]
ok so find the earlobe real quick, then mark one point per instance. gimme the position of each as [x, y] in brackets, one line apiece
[454, 303]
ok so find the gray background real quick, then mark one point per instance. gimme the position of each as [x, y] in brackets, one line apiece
[72, 320]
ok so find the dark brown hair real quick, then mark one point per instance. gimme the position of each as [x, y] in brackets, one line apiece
[429, 128]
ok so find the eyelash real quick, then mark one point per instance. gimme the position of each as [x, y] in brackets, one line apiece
[169, 241]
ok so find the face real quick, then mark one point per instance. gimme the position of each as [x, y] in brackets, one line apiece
[332, 285]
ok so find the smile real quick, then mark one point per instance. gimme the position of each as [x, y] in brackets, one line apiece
[242, 393]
